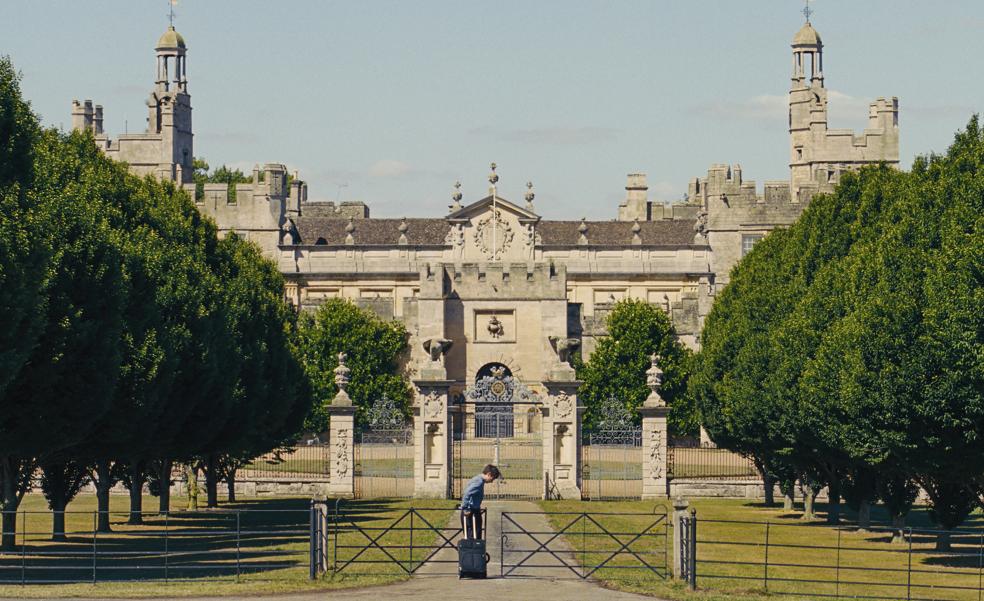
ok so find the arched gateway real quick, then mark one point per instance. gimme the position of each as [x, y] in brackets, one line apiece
[500, 423]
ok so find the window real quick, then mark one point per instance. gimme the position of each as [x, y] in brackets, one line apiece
[748, 241]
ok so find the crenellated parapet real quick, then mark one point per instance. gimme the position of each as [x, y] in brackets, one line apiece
[515, 281]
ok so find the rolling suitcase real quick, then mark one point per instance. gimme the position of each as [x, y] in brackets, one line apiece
[473, 560]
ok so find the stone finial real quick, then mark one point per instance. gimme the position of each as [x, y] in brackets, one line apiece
[349, 229]
[455, 197]
[403, 232]
[342, 372]
[654, 380]
[341, 381]
[529, 196]
[700, 228]
[582, 231]
[636, 228]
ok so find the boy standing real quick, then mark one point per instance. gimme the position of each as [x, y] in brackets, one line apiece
[471, 501]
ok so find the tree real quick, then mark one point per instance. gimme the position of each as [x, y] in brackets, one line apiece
[270, 397]
[373, 347]
[617, 367]
[222, 175]
[61, 481]
[868, 339]
[25, 271]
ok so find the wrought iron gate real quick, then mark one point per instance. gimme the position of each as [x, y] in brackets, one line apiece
[501, 426]
[384, 453]
[612, 455]
[617, 545]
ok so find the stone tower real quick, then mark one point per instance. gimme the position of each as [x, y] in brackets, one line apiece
[165, 149]
[169, 108]
[819, 155]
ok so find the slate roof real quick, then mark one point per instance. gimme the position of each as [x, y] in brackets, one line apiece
[616, 233]
[371, 232]
[433, 231]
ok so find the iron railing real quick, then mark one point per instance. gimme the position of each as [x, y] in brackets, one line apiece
[218, 544]
[818, 561]
[302, 462]
[708, 462]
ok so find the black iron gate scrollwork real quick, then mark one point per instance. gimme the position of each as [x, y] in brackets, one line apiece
[384, 452]
[501, 425]
[612, 454]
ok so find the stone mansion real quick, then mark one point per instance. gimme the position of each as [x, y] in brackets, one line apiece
[503, 285]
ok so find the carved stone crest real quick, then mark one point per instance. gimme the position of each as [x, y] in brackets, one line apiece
[433, 404]
[563, 404]
[493, 235]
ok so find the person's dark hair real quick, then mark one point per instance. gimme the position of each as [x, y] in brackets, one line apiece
[491, 470]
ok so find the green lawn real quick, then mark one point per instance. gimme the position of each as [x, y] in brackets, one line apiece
[864, 559]
[202, 550]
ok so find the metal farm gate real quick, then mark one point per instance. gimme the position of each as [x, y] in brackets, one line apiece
[384, 453]
[612, 455]
[501, 424]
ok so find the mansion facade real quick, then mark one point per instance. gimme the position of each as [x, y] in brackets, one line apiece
[492, 284]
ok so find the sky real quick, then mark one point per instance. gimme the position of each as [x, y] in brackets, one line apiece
[390, 102]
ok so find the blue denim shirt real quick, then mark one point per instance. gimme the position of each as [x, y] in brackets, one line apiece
[471, 497]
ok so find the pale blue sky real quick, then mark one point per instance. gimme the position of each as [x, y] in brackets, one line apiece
[397, 99]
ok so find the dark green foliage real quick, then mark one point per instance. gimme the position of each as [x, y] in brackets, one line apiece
[849, 346]
[222, 175]
[617, 368]
[133, 336]
[373, 347]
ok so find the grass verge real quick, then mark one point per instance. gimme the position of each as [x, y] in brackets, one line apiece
[810, 560]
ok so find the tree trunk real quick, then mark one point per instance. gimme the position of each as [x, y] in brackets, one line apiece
[58, 521]
[770, 494]
[943, 540]
[898, 529]
[103, 484]
[191, 473]
[833, 504]
[231, 484]
[864, 516]
[211, 482]
[136, 492]
[788, 501]
[165, 484]
[9, 504]
[808, 497]
[9, 531]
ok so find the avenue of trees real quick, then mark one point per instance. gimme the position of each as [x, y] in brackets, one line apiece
[133, 336]
[846, 352]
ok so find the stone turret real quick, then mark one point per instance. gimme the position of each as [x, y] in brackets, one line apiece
[819, 155]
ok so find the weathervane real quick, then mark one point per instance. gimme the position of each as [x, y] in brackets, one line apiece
[494, 179]
[170, 11]
[807, 11]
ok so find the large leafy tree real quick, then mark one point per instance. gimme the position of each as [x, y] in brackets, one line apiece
[617, 367]
[869, 342]
[65, 384]
[270, 398]
[373, 347]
